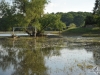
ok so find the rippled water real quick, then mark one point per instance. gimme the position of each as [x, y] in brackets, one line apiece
[50, 56]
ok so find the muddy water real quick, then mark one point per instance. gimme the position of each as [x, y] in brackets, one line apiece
[50, 56]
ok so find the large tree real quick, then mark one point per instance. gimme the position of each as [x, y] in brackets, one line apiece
[97, 7]
[32, 10]
[23, 13]
[96, 12]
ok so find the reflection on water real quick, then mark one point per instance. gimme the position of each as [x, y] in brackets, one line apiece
[48, 56]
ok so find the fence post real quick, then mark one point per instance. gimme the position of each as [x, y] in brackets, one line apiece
[35, 32]
[13, 30]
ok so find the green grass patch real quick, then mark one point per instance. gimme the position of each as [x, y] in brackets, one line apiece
[91, 35]
[82, 31]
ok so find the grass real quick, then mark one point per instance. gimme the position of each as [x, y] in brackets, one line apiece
[51, 32]
[91, 35]
[82, 31]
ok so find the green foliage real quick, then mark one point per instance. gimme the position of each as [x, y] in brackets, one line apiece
[96, 8]
[77, 18]
[37, 25]
[32, 10]
[7, 18]
[89, 20]
[96, 12]
[98, 21]
[52, 22]
[67, 18]
[21, 13]
[4, 9]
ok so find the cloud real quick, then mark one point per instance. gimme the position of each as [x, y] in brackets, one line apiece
[70, 5]
[52, 5]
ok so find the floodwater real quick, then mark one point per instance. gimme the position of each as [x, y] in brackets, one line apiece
[50, 56]
[7, 35]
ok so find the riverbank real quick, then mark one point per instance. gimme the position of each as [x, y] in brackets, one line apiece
[86, 32]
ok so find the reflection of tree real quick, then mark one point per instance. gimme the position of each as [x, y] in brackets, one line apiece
[27, 57]
[7, 59]
[51, 47]
[74, 45]
[96, 55]
[30, 63]
[25, 61]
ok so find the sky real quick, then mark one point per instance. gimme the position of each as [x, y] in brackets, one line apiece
[69, 5]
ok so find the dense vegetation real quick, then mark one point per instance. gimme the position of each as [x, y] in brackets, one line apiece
[78, 18]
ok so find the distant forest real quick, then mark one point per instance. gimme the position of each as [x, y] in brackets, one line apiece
[77, 18]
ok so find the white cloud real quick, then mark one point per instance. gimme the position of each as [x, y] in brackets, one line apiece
[49, 8]
[70, 5]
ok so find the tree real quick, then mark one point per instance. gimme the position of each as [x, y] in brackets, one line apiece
[97, 5]
[9, 18]
[67, 18]
[90, 20]
[31, 9]
[23, 13]
[96, 12]
[6, 14]
[78, 20]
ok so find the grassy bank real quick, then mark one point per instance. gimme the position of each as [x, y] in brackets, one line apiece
[82, 32]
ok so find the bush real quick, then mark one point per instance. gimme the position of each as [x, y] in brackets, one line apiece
[72, 25]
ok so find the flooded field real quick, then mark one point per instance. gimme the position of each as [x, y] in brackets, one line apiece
[50, 56]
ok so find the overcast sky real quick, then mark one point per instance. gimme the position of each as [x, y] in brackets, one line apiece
[69, 5]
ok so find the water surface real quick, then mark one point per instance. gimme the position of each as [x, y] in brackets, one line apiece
[50, 56]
